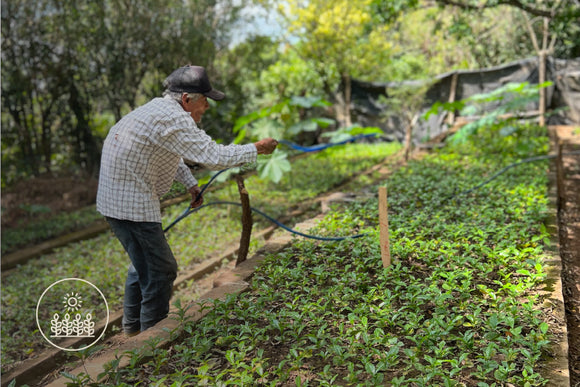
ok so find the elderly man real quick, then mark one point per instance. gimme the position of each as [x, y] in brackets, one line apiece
[142, 155]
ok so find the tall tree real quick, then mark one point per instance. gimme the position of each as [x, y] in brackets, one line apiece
[74, 31]
[559, 21]
[238, 72]
[563, 16]
[340, 40]
[153, 37]
[66, 62]
[32, 88]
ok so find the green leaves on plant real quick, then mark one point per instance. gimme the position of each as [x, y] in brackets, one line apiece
[493, 106]
[274, 167]
[279, 120]
[308, 102]
[309, 125]
[457, 305]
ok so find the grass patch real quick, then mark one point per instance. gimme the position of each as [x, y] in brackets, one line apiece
[41, 230]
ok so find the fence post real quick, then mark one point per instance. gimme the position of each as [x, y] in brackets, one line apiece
[384, 227]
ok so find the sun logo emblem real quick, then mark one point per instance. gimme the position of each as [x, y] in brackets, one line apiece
[72, 302]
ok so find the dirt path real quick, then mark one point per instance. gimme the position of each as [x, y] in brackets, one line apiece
[569, 224]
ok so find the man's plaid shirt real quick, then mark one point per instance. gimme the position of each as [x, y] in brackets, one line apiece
[144, 152]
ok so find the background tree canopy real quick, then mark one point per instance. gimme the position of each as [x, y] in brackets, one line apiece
[70, 69]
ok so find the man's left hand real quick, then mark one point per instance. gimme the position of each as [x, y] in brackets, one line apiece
[195, 191]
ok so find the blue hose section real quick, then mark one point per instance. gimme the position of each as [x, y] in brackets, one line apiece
[319, 147]
[292, 145]
[199, 195]
[190, 211]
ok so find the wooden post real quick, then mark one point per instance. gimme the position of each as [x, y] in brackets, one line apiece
[247, 221]
[384, 227]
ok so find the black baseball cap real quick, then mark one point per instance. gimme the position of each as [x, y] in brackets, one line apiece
[192, 79]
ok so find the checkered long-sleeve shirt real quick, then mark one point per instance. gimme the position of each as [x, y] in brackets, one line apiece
[145, 151]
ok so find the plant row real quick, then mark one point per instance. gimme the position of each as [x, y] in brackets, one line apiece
[459, 307]
[103, 262]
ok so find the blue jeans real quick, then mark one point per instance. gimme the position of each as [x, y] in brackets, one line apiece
[151, 274]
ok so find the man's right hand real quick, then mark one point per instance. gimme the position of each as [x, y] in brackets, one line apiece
[266, 146]
[195, 200]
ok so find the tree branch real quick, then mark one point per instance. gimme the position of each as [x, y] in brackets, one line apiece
[514, 3]
[532, 36]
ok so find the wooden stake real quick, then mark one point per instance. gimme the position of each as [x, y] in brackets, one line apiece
[247, 221]
[384, 225]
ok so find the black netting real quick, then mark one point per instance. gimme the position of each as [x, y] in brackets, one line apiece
[370, 100]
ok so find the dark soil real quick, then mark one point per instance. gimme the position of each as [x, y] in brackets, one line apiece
[569, 224]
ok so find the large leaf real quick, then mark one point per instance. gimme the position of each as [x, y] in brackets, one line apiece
[438, 107]
[302, 126]
[267, 127]
[309, 125]
[323, 122]
[274, 167]
[262, 113]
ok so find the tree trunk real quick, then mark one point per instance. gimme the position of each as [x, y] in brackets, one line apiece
[542, 53]
[86, 150]
[542, 79]
[25, 144]
[347, 99]
[409, 136]
[542, 71]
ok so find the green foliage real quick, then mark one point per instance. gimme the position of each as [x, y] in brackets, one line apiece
[338, 34]
[103, 262]
[345, 133]
[43, 229]
[86, 61]
[292, 75]
[459, 304]
[475, 22]
[282, 120]
[491, 37]
[238, 72]
[511, 98]
[275, 166]
[427, 42]
[389, 11]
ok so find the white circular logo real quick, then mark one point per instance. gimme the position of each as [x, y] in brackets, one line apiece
[67, 312]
